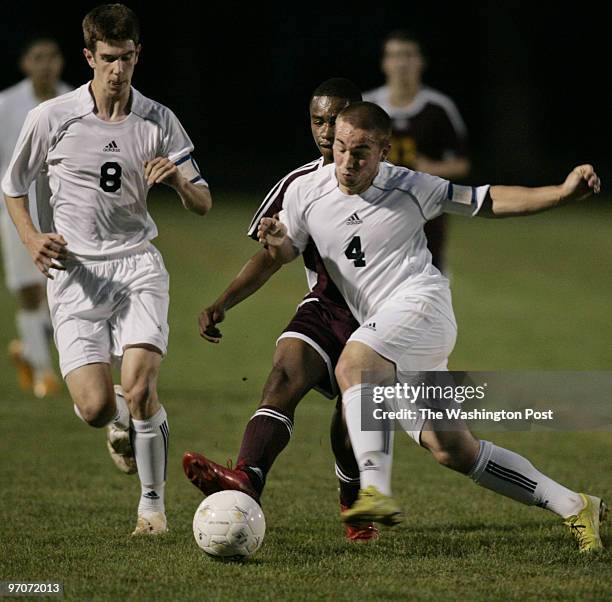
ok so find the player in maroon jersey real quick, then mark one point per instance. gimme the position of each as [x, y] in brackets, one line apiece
[429, 134]
[306, 351]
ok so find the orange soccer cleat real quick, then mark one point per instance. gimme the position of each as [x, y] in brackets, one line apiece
[25, 373]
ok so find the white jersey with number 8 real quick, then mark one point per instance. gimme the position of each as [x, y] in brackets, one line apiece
[98, 189]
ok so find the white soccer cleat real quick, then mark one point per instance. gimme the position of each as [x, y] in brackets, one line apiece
[120, 449]
[151, 524]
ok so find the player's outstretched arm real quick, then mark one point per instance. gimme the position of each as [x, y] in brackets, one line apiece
[508, 201]
[44, 249]
[253, 275]
[195, 197]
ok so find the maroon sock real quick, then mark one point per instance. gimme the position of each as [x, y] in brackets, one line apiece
[347, 469]
[265, 436]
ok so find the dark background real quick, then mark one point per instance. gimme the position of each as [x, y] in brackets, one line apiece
[531, 79]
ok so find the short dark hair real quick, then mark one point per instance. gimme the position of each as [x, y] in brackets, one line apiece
[34, 40]
[110, 22]
[403, 35]
[367, 116]
[338, 87]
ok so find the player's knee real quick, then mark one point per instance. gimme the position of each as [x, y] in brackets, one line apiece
[139, 395]
[98, 414]
[347, 373]
[283, 387]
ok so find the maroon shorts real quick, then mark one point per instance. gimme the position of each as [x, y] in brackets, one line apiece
[326, 327]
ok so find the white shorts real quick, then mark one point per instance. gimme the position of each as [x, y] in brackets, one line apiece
[99, 307]
[19, 269]
[417, 332]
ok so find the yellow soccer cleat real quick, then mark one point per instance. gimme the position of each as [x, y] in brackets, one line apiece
[152, 524]
[25, 373]
[585, 525]
[373, 506]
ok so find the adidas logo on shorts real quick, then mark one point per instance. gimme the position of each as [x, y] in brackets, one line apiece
[354, 220]
[370, 325]
[111, 147]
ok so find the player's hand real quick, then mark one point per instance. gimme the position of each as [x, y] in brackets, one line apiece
[271, 232]
[208, 320]
[580, 184]
[162, 171]
[46, 250]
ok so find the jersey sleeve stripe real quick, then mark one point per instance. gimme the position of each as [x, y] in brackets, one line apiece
[274, 200]
[182, 160]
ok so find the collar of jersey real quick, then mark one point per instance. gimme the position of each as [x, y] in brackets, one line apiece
[141, 105]
[369, 194]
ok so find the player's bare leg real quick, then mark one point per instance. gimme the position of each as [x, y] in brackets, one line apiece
[512, 475]
[31, 354]
[91, 389]
[373, 449]
[139, 374]
[99, 404]
[296, 369]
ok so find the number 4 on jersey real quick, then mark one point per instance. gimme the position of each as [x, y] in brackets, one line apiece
[354, 252]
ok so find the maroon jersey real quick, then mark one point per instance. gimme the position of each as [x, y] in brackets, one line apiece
[430, 125]
[319, 281]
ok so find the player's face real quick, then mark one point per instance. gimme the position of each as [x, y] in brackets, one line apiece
[113, 64]
[43, 64]
[357, 155]
[323, 113]
[403, 61]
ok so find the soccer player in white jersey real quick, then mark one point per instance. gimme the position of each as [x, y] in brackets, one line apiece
[103, 146]
[306, 351]
[41, 62]
[366, 218]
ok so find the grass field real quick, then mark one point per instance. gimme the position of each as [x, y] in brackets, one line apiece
[529, 294]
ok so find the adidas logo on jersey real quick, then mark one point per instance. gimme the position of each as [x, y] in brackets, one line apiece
[354, 220]
[111, 147]
[370, 325]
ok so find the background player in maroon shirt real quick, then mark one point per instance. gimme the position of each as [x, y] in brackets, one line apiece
[428, 132]
[307, 350]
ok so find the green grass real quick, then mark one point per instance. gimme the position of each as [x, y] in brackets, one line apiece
[529, 294]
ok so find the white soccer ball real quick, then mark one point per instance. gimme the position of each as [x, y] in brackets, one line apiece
[230, 525]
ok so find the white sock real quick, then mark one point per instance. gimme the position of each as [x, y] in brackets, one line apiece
[122, 417]
[373, 449]
[151, 449]
[508, 473]
[32, 327]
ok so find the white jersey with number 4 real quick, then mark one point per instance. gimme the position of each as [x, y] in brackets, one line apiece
[95, 168]
[373, 244]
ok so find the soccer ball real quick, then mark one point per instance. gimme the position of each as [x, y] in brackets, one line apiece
[229, 525]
